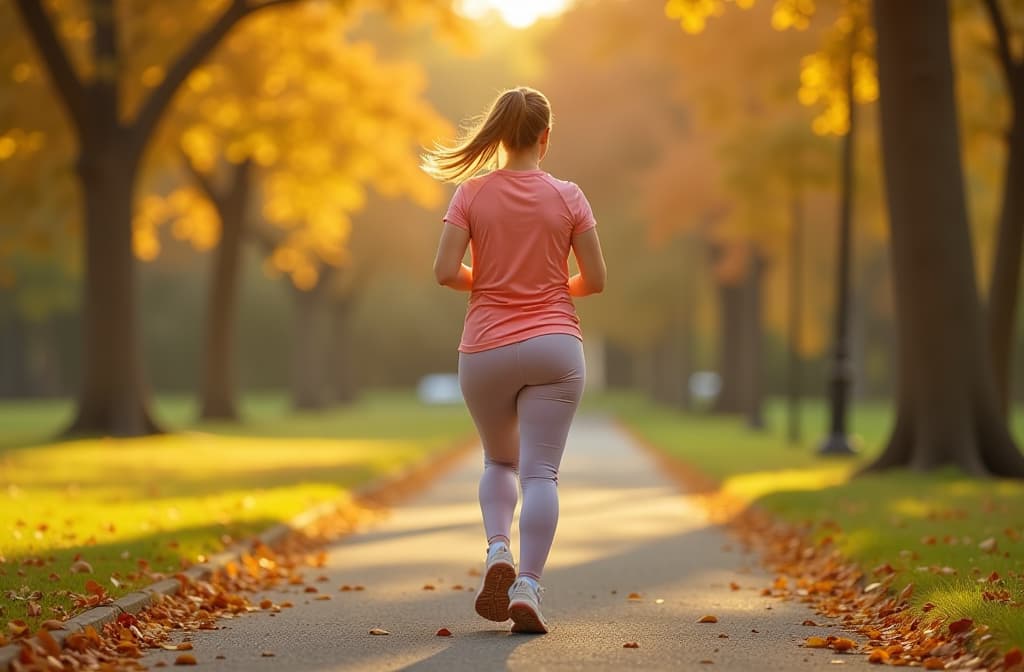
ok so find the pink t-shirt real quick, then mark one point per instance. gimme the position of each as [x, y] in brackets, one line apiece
[520, 224]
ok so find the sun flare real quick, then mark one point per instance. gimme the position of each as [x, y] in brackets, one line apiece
[516, 13]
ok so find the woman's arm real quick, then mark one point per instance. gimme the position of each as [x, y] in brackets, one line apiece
[590, 280]
[448, 267]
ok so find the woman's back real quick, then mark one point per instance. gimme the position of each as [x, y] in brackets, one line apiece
[521, 224]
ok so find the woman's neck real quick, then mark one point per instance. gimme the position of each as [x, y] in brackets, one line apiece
[522, 161]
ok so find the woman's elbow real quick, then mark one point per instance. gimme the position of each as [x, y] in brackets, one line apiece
[442, 275]
[597, 284]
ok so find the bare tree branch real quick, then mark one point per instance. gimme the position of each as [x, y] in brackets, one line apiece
[189, 59]
[995, 15]
[68, 86]
[202, 180]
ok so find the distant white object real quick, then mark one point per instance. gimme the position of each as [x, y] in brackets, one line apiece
[439, 388]
[705, 385]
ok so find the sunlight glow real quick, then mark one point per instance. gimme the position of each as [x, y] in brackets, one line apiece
[516, 13]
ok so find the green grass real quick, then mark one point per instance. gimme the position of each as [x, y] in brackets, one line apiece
[918, 523]
[171, 499]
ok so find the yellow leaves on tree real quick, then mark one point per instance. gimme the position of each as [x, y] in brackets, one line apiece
[322, 118]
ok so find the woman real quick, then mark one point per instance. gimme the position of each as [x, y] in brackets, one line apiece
[521, 366]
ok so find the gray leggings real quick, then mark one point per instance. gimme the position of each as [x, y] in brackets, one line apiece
[522, 398]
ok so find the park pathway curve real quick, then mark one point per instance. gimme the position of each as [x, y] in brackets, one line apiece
[625, 528]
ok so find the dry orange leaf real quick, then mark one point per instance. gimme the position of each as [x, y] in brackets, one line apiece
[48, 643]
[267, 654]
[633, 596]
[733, 585]
[428, 587]
[185, 659]
[708, 619]
[878, 656]
[53, 624]
[809, 622]
[322, 598]
[379, 631]
[1013, 657]
[266, 604]
[444, 632]
[843, 644]
[631, 645]
[815, 643]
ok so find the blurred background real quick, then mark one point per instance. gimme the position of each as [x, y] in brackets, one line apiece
[282, 233]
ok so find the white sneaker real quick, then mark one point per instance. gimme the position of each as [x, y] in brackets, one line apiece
[492, 598]
[524, 608]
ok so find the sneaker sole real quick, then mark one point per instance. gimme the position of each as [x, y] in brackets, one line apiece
[526, 620]
[492, 600]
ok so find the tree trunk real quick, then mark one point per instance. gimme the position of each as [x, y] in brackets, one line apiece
[309, 383]
[947, 411]
[112, 399]
[218, 393]
[730, 350]
[751, 391]
[795, 316]
[346, 386]
[1005, 281]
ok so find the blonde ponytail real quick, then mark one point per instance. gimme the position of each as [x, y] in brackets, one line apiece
[515, 121]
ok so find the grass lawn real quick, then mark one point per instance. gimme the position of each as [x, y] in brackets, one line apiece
[928, 527]
[119, 504]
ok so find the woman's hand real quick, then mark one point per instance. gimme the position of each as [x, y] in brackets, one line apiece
[589, 257]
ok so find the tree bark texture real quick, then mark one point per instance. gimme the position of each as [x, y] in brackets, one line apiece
[113, 398]
[218, 391]
[947, 412]
[1005, 281]
[309, 347]
[345, 379]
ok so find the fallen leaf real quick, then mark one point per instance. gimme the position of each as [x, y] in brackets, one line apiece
[809, 622]
[707, 662]
[815, 643]
[843, 644]
[878, 656]
[48, 643]
[379, 631]
[81, 567]
[989, 545]
[185, 659]
[631, 645]
[907, 591]
[17, 628]
[444, 632]
[733, 585]
[633, 596]
[429, 586]
[708, 619]
[267, 654]
[266, 604]
[1013, 657]
[322, 598]
[934, 664]
[53, 624]
[963, 625]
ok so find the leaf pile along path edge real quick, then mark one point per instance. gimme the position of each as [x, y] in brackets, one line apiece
[115, 634]
[818, 575]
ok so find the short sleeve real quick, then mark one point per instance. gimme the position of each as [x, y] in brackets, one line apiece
[458, 210]
[583, 216]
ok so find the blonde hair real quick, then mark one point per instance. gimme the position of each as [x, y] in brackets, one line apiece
[515, 121]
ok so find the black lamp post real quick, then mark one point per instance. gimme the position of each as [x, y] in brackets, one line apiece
[837, 443]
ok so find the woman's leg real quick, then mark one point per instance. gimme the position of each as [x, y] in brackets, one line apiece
[489, 383]
[554, 370]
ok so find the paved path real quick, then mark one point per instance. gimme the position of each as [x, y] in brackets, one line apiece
[624, 528]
